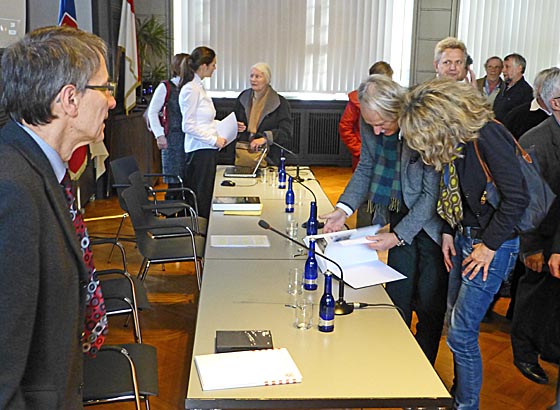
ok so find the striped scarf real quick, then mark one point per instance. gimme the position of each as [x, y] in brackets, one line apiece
[385, 188]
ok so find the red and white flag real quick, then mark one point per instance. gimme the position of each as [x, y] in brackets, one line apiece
[78, 161]
[127, 42]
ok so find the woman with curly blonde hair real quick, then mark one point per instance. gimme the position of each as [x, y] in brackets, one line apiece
[446, 122]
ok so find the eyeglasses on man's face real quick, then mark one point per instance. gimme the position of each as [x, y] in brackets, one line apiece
[110, 88]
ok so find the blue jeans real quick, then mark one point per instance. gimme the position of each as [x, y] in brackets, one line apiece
[470, 300]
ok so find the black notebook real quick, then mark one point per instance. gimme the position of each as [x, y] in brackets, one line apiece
[239, 340]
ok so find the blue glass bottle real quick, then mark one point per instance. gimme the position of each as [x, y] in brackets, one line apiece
[282, 172]
[312, 223]
[290, 197]
[326, 307]
[310, 272]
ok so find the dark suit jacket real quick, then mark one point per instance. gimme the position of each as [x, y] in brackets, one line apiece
[521, 119]
[545, 138]
[509, 98]
[42, 282]
[276, 121]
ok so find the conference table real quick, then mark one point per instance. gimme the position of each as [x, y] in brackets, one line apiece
[371, 360]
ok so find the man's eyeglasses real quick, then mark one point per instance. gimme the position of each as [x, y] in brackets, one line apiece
[109, 87]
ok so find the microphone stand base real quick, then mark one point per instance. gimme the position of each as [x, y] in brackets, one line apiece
[343, 308]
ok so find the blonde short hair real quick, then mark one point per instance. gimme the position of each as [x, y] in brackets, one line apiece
[449, 42]
[265, 69]
[441, 114]
[381, 94]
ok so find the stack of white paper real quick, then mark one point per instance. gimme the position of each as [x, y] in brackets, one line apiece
[246, 369]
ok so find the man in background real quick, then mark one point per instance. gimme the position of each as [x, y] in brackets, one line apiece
[535, 329]
[516, 91]
[526, 116]
[56, 92]
[491, 84]
[450, 58]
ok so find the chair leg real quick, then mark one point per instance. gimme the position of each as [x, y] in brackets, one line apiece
[198, 269]
[143, 269]
[125, 215]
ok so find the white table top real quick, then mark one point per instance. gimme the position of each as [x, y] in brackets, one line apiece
[370, 360]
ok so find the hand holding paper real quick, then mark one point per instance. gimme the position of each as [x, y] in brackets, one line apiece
[227, 128]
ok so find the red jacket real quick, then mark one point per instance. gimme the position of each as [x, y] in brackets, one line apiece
[349, 128]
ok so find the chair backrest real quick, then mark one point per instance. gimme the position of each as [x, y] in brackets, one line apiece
[135, 197]
[122, 168]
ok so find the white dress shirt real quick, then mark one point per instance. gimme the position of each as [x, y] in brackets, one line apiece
[156, 104]
[198, 113]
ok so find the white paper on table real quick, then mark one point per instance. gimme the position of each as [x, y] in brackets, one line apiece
[239, 241]
[360, 263]
[227, 128]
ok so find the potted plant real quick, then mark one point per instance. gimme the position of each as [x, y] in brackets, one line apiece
[153, 38]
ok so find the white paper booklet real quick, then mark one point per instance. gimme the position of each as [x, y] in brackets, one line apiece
[227, 128]
[246, 369]
[239, 241]
[360, 263]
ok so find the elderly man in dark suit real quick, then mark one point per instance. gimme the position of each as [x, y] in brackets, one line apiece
[535, 329]
[56, 92]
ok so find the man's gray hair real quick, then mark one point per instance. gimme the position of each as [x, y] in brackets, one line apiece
[37, 67]
[550, 86]
[381, 94]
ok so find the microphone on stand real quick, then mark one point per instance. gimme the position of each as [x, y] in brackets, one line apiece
[341, 307]
[320, 225]
[297, 178]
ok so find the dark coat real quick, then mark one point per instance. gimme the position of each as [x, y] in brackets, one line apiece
[521, 119]
[498, 151]
[276, 121]
[42, 282]
[509, 98]
[545, 138]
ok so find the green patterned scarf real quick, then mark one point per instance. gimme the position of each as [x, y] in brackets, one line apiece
[450, 206]
[385, 188]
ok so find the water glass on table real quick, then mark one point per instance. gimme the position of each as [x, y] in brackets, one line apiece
[303, 313]
[295, 281]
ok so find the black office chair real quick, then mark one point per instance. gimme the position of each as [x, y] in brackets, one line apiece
[121, 373]
[159, 240]
[123, 294]
[122, 168]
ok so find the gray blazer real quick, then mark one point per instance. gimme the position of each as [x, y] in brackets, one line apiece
[42, 282]
[420, 186]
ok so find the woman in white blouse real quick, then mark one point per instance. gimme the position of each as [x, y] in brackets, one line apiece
[202, 141]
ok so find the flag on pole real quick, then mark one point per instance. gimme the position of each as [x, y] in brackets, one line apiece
[127, 42]
[67, 14]
[78, 162]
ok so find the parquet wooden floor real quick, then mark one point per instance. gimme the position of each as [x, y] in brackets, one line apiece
[170, 324]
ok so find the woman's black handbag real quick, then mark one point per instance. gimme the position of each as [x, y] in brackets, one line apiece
[541, 196]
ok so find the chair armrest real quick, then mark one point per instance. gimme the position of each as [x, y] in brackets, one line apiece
[163, 233]
[177, 177]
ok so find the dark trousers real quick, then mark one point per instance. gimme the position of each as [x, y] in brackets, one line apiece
[424, 290]
[200, 172]
[535, 328]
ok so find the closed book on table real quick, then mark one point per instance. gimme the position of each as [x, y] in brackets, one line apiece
[236, 203]
[239, 340]
[250, 368]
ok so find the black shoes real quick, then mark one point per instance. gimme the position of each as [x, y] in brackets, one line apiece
[532, 371]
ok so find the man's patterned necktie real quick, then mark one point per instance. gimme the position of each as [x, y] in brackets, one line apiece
[96, 326]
